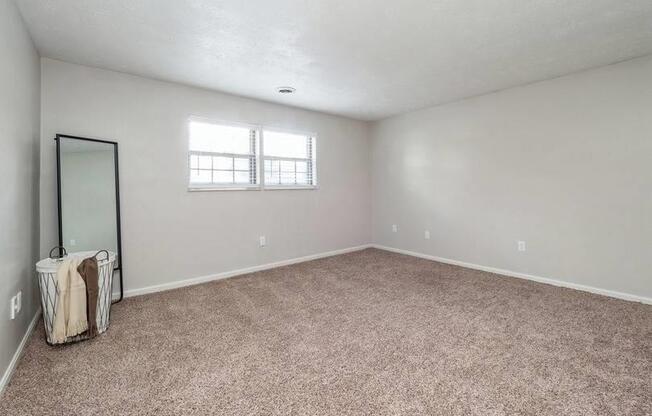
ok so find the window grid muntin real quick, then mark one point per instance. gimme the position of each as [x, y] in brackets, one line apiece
[251, 173]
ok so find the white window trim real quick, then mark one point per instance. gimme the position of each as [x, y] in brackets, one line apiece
[223, 187]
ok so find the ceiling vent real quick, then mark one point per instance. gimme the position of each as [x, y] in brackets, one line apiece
[285, 90]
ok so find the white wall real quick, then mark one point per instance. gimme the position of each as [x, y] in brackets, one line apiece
[19, 132]
[565, 165]
[171, 234]
[561, 164]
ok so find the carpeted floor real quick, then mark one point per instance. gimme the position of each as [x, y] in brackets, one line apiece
[367, 333]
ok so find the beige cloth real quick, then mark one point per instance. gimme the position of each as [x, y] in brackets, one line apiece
[70, 313]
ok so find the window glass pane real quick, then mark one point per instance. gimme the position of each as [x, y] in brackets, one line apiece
[242, 177]
[302, 179]
[208, 137]
[287, 166]
[204, 162]
[194, 162]
[223, 176]
[241, 164]
[226, 156]
[286, 151]
[282, 172]
[285, 145]
[222, 162]
[287, 178]
[200, 176]
[302, 166]
[272, 179]
[272, 172]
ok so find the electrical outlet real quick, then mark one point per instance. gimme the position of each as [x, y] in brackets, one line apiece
[73, 243]
[521, 245]
[426, 235]
[16, 305]
[394, 228]
[263, 241]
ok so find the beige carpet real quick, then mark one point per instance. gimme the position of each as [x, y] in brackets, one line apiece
[367, 333]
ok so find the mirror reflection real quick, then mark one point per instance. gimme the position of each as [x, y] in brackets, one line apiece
[88, 196]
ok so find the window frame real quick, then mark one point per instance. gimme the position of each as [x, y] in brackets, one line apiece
[193, 187]
[313, 160]
[259, 156]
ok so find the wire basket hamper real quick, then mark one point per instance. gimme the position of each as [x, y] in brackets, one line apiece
[47, 280]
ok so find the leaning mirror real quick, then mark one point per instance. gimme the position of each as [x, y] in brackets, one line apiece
[89, 196]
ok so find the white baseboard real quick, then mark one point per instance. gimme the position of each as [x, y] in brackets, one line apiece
[19, 351]
[232, 273]
[554, 282]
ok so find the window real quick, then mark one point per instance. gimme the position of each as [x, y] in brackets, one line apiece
[222, 156]
[288, 159]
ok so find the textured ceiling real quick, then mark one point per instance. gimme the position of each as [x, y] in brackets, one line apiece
[365, 59]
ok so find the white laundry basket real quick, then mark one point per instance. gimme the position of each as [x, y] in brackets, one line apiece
[47, 280]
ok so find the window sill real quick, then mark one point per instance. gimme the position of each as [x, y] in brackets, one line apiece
[251, 188]
[222, 188]
[289, 188]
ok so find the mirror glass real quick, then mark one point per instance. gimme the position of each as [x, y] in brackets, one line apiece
[88, 196]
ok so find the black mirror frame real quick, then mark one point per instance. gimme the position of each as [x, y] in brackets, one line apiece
[117, 199]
